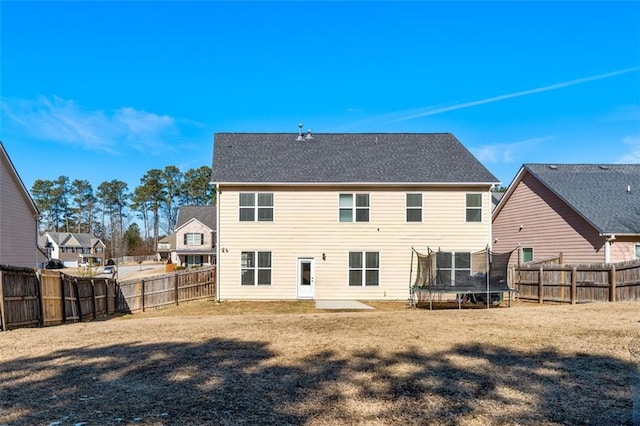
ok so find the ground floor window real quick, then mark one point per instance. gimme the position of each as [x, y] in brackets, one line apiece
[364, 268]
[452, 267]
[255, 268]
[193, 260]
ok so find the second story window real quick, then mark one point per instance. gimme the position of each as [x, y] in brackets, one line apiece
[414, 207]
[256, 207]
[354, 207]
[193, 239]
[474, 207]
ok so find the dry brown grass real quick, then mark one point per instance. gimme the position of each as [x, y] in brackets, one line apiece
[283, 363]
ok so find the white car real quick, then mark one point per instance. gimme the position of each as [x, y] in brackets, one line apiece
[108, 270]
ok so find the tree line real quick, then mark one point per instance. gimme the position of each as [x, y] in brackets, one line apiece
[112, 212]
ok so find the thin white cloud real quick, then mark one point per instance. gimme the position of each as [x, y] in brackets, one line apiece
[633, 156]
[507, 152]
[61, 120]
[439, 110]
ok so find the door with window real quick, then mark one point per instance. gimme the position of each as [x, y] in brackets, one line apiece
[306, 278]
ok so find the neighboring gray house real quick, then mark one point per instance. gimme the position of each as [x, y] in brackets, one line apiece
[74, 249]
[336, 215]
[588, 212]
[18, 219]
[193, 241]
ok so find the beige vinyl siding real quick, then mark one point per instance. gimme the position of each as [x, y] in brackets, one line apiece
[18, 245]
[306, 224]
[549, 226]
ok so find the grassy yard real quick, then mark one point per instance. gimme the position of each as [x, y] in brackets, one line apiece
[287, 363]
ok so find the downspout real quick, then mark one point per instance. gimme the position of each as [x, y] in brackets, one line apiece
[218, 244]
[490, 245]
[607, 248]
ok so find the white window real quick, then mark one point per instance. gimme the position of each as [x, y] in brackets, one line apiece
[527, 254]
[474, 207]
[364, 268]
[453, 267]
[255, 268]
[637, 251]
[193, 239]
[414, 207]
[256, 207]
[354, 207]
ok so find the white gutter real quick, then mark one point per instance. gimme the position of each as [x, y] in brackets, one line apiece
[490, 184]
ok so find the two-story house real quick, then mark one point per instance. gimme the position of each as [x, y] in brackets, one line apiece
[74, 248]
[589, 213]
[194, 236]
[335, 216]
[18, 219]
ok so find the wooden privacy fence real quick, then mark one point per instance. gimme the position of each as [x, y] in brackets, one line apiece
[579, 283]
[31, 298]
[171, 289]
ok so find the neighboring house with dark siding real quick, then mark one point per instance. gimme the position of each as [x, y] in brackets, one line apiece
[18, 219]
[336, 215]
[588, 212]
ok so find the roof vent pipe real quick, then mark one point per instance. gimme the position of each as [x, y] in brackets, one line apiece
[299, 138]
[628, 189]
[308, 137]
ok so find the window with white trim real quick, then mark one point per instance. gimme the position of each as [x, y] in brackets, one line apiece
[256, 207]
[193, 260]
[527, 254]
[193, 239]
[364, 268]
[637, 251]
[255, 268]
[414, 207]
[354, 207]
[452, 267]
[474, 207]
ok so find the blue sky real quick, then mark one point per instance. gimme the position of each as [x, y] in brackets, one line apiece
[109, 90]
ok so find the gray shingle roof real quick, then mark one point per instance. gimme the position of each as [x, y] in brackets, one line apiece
[83, 239]
[345, 158]
[205, 214]
[598, 192]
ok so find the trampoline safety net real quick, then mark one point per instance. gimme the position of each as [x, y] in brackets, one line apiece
[463, 273]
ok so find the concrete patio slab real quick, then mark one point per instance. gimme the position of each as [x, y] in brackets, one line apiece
[341, 304]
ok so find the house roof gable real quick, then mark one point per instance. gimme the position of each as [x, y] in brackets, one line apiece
[19, 182]
[72, 239]
[603, 194]
[204, 214]
[381, 158]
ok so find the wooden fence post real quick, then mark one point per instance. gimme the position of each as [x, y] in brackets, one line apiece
[540, 285]
[574, 285]
[3, 319]
[93, 297]
[175, 283]
[64, 300]
[612, 283]
[142, 282]
[78, 302]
